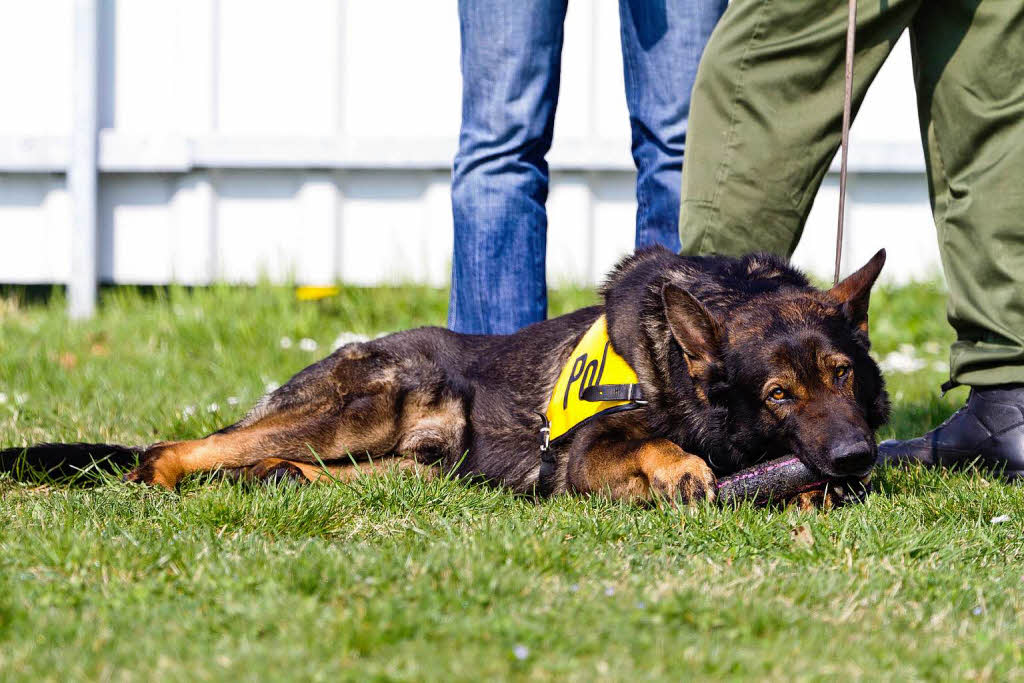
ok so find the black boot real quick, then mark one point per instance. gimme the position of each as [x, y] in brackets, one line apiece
[988, 430]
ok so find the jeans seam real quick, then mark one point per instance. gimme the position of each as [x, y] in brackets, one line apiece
[723, 170]
[629, 66]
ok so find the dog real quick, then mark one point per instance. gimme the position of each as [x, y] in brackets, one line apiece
[691, 368]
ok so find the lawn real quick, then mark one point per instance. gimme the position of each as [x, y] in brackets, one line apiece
[401, 578]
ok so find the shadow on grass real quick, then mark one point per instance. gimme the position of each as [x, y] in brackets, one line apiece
[32, 295]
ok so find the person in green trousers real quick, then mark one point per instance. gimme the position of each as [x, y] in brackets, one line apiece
[765, 123]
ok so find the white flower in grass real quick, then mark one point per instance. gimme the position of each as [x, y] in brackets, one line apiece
[307, 344]
[521, 652]
[20, 398]
[232, 400]
[3, 397]
[901, 361]
[932, 347]
[348, 338]
[1000, 519]
[609, 591]
[212, 408]
[187, 412]
[286, 342]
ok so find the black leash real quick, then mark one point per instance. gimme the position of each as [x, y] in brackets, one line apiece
[851, 32]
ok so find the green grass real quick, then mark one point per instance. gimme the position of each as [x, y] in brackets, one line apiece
[400, 578]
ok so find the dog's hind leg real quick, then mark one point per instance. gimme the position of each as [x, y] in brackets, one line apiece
[355, 404]
[301, 434]
[346, 406]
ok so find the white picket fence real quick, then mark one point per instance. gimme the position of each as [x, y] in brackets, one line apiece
[312, 139]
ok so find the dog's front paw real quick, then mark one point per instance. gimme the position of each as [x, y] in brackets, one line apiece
[157, 467]
[688, 479]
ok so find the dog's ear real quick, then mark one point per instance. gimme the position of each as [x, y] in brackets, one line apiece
[853, 293]
[696, 330]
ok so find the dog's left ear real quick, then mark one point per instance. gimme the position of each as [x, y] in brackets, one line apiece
[854, 293]
[696, 330]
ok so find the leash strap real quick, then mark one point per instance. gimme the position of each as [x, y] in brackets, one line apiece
[851, 33]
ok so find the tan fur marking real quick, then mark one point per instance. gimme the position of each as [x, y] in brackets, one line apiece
[426, 425]
[644, 470]
[343, 473]
[700, 372]
[356, 351]
[818, 499]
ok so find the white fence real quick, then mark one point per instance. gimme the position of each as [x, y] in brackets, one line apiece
[312, 139]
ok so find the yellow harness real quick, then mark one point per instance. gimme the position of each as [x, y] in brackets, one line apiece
[594, 381]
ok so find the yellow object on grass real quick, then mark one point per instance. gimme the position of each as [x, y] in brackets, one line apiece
[315, 293]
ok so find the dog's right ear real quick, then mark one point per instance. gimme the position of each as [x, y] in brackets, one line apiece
[852, 294]
[694, 328]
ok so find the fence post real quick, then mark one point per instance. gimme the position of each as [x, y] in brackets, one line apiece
[82, 164]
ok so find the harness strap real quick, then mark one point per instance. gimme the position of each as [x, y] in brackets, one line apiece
[546, 477]
[614, 392]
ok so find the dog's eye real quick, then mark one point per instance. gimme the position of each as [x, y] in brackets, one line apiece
[778, 394]
[842, 371]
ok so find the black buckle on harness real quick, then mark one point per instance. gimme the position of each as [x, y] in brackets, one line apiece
[548, 463]
[614, 392]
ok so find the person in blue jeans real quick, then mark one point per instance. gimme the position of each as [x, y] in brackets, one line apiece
[511, 59]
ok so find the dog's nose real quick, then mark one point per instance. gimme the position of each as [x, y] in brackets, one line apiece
[854, 458]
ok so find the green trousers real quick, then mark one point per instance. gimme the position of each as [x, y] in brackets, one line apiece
[765, 123]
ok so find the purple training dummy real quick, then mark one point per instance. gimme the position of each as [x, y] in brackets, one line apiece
[775, 480]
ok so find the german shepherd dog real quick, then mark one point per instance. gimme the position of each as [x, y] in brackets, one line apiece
[739, 360]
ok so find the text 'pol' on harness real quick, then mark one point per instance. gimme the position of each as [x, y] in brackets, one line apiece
[594, 381]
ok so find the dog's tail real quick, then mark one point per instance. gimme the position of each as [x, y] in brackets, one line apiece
[67, 461]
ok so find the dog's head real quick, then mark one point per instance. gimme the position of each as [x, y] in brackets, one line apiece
[791, 369]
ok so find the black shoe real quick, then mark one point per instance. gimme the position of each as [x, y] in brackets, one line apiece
[988, 430]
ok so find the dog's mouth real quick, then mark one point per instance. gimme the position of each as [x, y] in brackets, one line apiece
[847, 461]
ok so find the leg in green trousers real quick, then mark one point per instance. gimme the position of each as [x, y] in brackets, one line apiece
[765, 123]
[969, 68]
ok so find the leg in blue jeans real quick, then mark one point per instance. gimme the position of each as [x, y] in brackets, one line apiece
[511, 58]
[662, 41]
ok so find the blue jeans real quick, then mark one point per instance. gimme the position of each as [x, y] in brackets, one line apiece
[511, 59]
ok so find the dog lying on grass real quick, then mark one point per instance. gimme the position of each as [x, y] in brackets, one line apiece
[691, 368]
